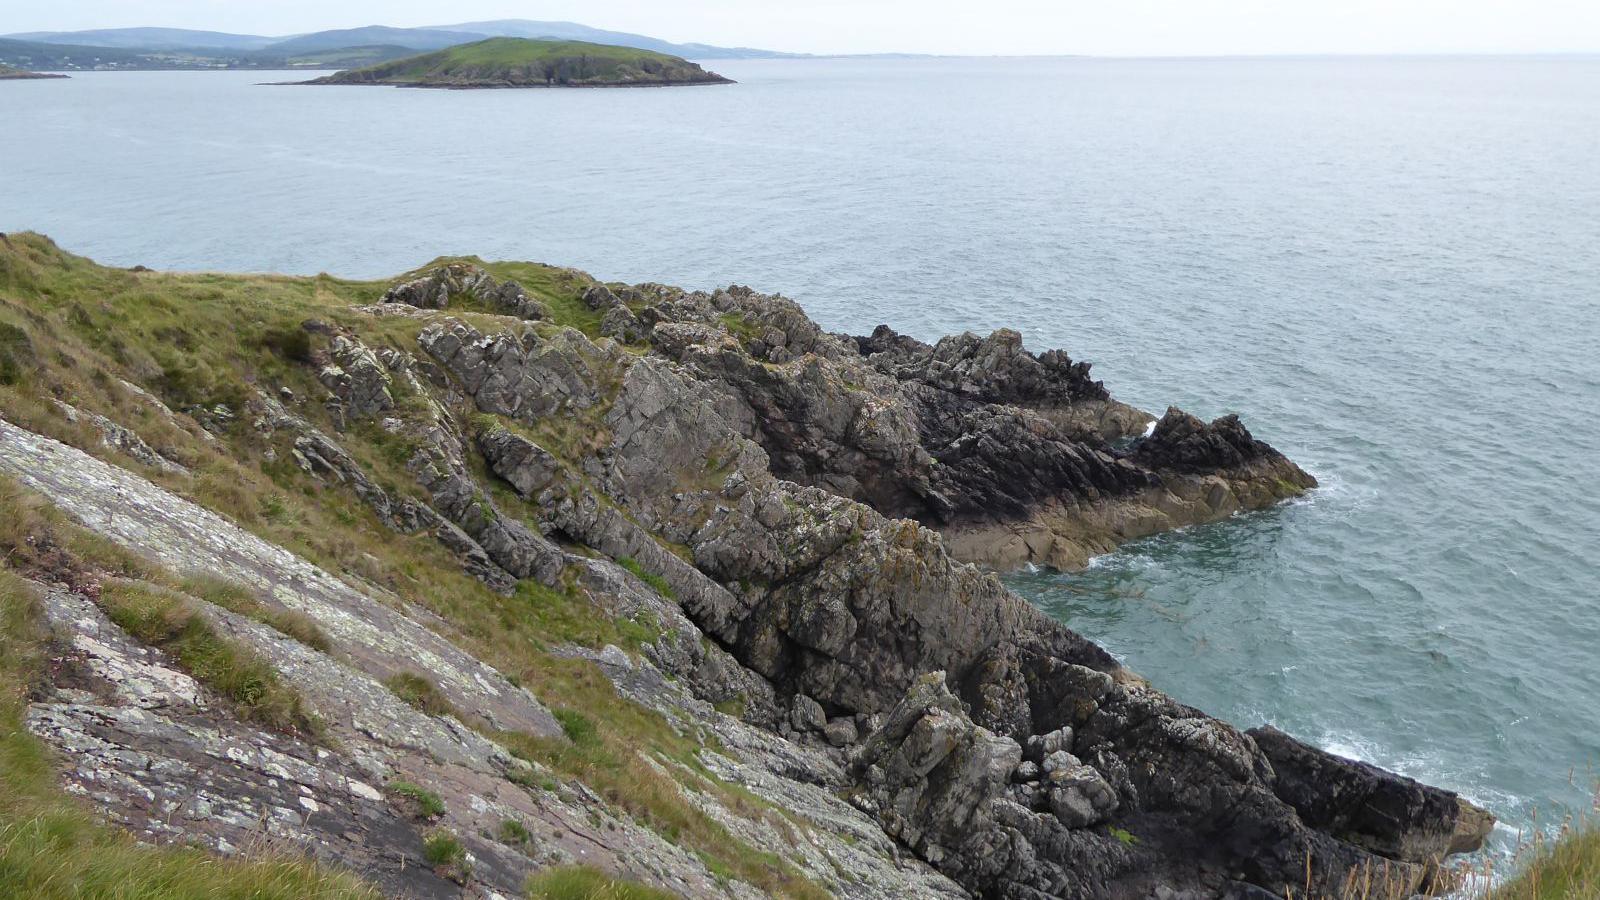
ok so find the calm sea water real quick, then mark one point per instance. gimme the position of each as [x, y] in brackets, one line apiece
[1389, 267]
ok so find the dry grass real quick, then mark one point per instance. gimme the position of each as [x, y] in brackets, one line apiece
[587, 883]
[1563, 867]
[421, 693]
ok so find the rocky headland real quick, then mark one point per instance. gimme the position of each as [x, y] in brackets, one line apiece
[690, 530]
[10, 73]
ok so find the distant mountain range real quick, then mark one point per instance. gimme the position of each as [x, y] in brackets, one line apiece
[178, 48]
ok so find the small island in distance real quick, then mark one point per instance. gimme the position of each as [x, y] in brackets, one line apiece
[9, 73]
[527, 63]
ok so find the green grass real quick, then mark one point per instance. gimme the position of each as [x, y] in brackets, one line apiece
[655, 581]
[740, 327]
[237, 598]
[578, 727]
[422, 803]
[587, 883]
[446, 854]
[514, 832]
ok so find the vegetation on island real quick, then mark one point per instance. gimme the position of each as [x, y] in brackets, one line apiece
[521, 62]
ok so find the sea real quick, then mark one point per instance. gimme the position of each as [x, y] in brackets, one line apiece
[1389, 267]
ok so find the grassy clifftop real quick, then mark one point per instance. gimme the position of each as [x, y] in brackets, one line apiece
[519, 62]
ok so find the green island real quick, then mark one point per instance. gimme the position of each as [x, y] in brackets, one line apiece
[525, 63]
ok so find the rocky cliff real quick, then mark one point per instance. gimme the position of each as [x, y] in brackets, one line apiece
[677, 582]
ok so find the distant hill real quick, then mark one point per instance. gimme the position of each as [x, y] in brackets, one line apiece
[59, 57]
[371, 35]
[178, 48]
[572, 31]
[81, 58]
[524, 63]
[149, 39]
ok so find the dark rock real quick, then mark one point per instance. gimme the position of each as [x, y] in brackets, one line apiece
[1383, 812]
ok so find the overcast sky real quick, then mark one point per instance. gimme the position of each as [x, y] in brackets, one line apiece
[1109, 27]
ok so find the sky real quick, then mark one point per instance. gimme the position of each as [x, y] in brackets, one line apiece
[1097, 27]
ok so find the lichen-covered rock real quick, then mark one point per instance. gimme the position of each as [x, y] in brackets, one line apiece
[932, 777]
[356, 379]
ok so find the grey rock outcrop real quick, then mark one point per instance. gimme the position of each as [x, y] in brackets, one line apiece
[836, 604]
[356, 380]
[457, 283]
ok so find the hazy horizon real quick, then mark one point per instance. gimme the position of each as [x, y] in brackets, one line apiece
[1142, 28]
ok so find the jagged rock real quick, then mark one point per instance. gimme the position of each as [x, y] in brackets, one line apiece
[807, 715]
[1181, 442]
[1079, 796]
[841, 732]
[452, 283]
[619, 322]
[440, 467]
[598, 297]
[356, 379]
[931, 775]
[846, 607]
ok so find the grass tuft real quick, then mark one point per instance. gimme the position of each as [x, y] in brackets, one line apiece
[1567, 868]
[418, 800]
[514, 832]
[587, 883]
[655, 581]
[447, 855]
[421, 693]
[167, 620]
[237, 598]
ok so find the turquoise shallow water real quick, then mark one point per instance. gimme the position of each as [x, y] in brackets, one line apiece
[1389, 267]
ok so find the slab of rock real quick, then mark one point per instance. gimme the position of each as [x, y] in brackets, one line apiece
[1386, 813]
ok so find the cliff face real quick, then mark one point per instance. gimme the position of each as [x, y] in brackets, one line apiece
[755, 533]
